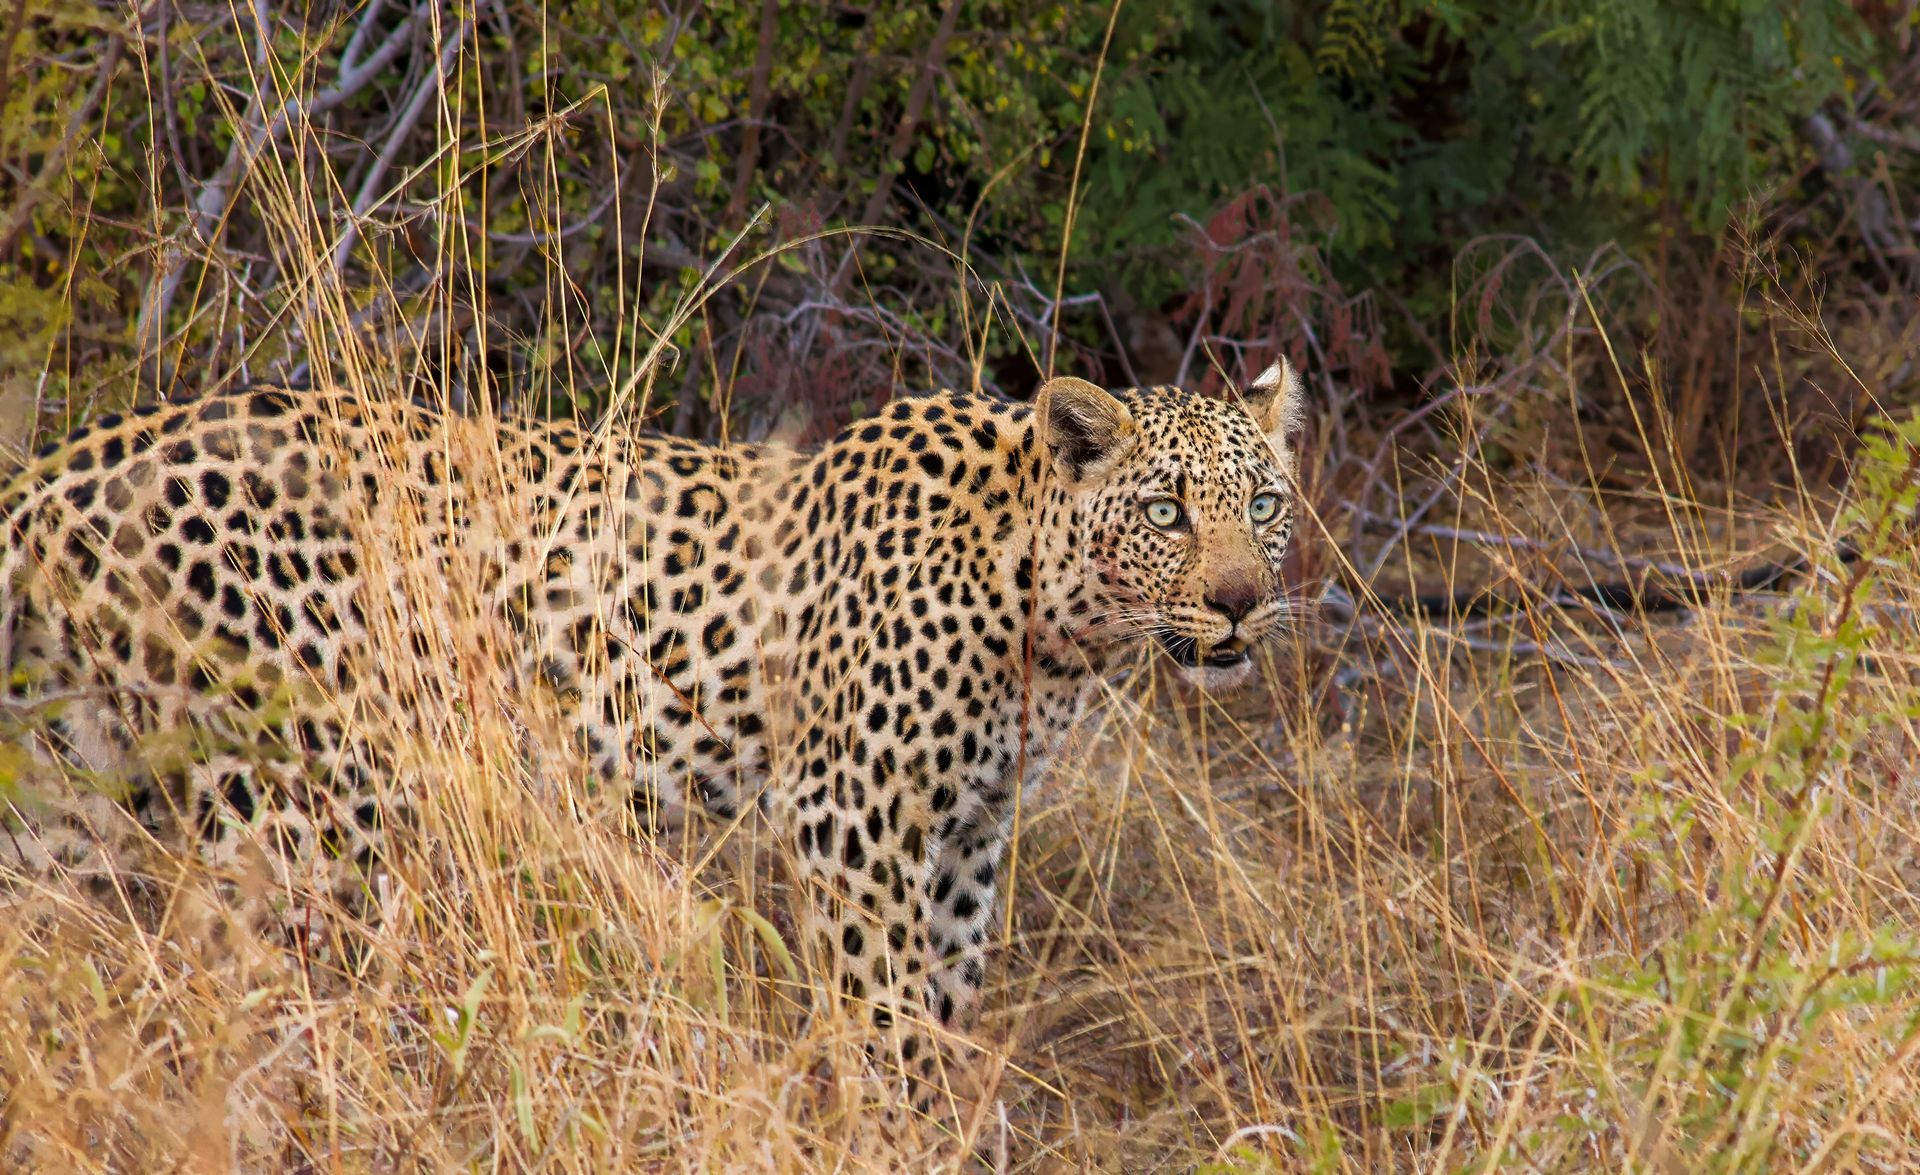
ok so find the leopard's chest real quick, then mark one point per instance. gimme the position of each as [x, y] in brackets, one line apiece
[1007, 756]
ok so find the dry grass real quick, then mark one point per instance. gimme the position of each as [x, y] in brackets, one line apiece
[1445, 907]
[1551, 892]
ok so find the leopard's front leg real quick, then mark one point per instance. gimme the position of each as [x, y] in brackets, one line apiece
[962, 886]
[868, 864]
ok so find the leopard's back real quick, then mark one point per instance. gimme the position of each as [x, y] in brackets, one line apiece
[215, 603]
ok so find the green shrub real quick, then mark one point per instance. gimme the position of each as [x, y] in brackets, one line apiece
[1391, 133]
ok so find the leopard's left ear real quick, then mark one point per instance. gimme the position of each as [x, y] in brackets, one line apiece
[1277, 400]
[1086, 428]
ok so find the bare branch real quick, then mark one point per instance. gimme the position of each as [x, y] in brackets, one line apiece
[856, 90]
[928, 69]
[210, 209]
[370, 192]
[361, 35]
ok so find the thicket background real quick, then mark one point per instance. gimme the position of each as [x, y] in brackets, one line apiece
[1377, 187]
[1586, 291]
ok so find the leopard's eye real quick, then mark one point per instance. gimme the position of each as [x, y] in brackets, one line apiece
[1263, 508]
[1163, 513]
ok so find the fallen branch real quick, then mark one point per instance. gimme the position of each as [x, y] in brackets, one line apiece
[1641, 595]
[1487, 538]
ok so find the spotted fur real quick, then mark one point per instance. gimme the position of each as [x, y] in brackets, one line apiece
[875, 643]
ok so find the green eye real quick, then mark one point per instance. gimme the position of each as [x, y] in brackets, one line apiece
[1164, 513]
[1263, 507]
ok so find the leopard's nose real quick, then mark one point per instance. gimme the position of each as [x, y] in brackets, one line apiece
[1234, 600]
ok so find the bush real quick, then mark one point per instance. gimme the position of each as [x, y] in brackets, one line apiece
[581, 166]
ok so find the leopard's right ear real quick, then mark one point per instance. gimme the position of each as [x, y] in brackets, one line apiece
[1086, 429]
[1277, 400]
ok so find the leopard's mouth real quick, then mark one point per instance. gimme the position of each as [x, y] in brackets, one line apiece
[1185, 651]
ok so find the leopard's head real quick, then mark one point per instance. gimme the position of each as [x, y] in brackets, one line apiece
[1182, 510]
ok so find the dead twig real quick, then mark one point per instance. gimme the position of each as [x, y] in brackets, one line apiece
[170, 122]
[357, 43]
[757, 86]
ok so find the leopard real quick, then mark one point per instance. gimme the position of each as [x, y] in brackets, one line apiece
[877, 645]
